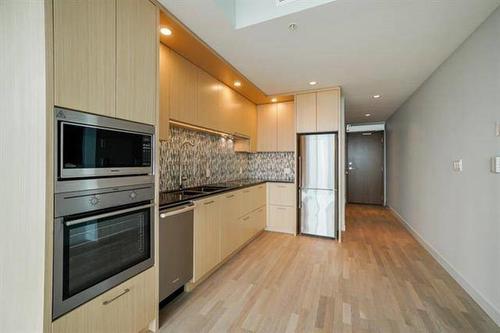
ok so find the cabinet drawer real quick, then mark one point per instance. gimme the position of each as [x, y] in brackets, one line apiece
[282, 194]
[129, 307]
[282, 219]
[260, 196]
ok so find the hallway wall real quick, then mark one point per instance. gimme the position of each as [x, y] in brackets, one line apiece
[452, 116]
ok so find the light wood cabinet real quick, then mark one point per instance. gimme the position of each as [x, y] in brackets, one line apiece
[228, 109]
[282, 194]
[285, 127]
[282, 219]
[84, 55]
[327, 112]
[207, 218]
[306, 112]
[136, 60]
[267, 122]
[183, 90]
[230, 227]
[208, 100]
[165, 69]
[129, 307]
[276, 127]
[318, 111]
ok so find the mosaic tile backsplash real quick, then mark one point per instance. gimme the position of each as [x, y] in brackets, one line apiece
[215, 154]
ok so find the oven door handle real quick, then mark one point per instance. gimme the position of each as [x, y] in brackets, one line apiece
[101, 216]
[177, 210]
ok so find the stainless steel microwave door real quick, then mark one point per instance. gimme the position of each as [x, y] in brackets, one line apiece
[318, 158]
[318, 212]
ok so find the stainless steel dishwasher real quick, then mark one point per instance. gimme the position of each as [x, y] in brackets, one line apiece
[176, 248]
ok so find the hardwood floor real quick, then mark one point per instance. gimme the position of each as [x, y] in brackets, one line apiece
[379, 279]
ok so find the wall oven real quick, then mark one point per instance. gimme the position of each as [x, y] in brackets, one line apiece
[91, 146]
[102, 237]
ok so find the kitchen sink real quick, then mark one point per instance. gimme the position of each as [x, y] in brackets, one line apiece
[208, 189]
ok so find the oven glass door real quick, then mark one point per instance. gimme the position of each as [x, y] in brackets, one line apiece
[87, 151]
[97, 253]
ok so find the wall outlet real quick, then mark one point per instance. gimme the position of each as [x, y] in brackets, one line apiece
[498, 128]
[458, 166]
[288, 171]
[207, 173]
[241, 170]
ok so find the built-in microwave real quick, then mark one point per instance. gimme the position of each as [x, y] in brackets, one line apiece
[91, 146]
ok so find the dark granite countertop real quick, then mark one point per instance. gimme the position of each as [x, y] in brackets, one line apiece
[174, 198]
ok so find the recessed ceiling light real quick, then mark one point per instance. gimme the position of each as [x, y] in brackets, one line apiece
[313, 83]
[274, 100]
[237, 83]
[377, 96]
[368, 114]
[165, 31]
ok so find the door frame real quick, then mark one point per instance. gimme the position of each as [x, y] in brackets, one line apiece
[368, 127]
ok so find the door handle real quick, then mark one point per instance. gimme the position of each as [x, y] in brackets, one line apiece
[116, 297]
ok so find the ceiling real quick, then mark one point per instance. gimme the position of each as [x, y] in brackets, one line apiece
[367, 47]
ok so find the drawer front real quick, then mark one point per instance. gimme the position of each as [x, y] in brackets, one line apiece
[132, 302]
[282, 194]
[282, 219]
[260, 197]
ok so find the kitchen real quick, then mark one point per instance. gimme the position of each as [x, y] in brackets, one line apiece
[173, 194]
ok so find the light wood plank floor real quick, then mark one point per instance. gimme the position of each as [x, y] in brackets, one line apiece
[378, 280]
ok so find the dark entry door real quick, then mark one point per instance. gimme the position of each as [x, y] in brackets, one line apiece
[365, 168]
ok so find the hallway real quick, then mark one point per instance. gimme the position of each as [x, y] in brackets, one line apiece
[379, 279]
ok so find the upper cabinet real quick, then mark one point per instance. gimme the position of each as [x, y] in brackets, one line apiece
[285, 127]
[105, 56]
[84, 55]
[136, 60]
[208, 100]
[275, 127]
[183, 89]
[164, 91]
[318, 111]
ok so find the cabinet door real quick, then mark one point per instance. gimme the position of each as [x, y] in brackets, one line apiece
[183, 91]
[208, 100]
[260, 219]
[282, 219]
[164, 92]
[247, 201]
[84, 55]
[228, 116]
[328, 105]
[127, 308]
[286, 127]
[260, 195]
[136, 60]
[266, 127]
[282, 194]
[206, 236]
[306, 112]
[246, 227]
[229, 223]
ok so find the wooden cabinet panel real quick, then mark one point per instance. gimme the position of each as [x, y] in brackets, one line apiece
[285, 127]
[247, 200]
[328, 105]
[183, 90]
[230, 228]
[306, 112]
[84, 55]
[282, 194]
[207, 226]
[259, 221]
[260, 195]
[266, 127]
[282, 219]
[165, 69]
[132, 309]
[136, 60]
[208, 100]
[228, 110]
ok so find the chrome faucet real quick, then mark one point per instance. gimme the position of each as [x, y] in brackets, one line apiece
[183, 178]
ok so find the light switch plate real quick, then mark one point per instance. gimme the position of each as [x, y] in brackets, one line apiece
[207, 173]
[458, 166]
[495, 164]
[498, 128]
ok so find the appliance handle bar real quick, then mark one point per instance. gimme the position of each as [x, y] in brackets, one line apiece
[299, 171]
[182, 209]
[101, 216]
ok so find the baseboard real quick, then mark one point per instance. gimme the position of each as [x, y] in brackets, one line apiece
[476, 296]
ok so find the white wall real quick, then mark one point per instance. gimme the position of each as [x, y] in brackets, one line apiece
[452, 116]
[22, 165]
